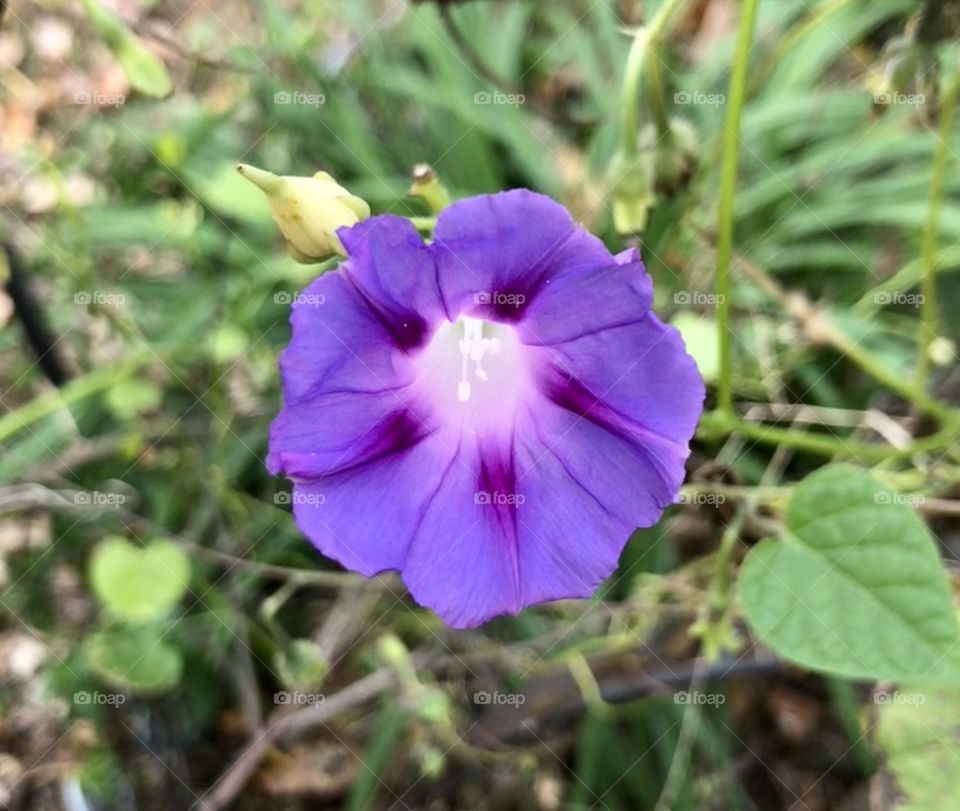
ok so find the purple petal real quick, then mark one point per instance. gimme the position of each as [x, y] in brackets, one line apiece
[513, 526]
[394, 271]
[493, 249]
[365, 517]
[635, 378]
[463, 561]
[588, 302]
[347, 368]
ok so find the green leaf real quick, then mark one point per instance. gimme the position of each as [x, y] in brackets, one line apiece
[139, 584]
[920, 735]
[134, 658]
[855, 586]
[144, 70]
[128, 398]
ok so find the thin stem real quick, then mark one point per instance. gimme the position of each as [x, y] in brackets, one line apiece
[423, 223]
[586, 682]
[763, 493]
[712, 626]
[483, 71]
[33, 316]
[687, 737]
[631, 94]
[621, 690]
[268, 570]
[929, 29]
[715, 633]
[660, 20]
[658, 104]
[728, 182]
[282, 723]
[718, 598]
[837, 446]
[929, 328]
[821, 329]
[893, 381]
[643, 48]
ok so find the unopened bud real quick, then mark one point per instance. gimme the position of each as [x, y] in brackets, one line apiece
[427, 186]
[896, 69]
[308, 211]
[633, 195]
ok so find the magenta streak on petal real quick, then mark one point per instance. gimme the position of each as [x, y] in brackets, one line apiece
[400, 432]
[498, 477]
[407, 329]
[572, 395]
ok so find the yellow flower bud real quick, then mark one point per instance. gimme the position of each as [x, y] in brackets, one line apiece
[308, 211]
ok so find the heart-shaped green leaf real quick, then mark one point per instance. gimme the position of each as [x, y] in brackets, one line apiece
[855, 586]
[139, 584]
[135, 658]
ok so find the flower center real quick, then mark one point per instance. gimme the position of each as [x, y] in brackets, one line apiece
[473, 347]
[473, 370]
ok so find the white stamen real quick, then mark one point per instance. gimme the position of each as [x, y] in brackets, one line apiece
[473, 346]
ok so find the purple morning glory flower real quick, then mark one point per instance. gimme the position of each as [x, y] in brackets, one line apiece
[491, 415]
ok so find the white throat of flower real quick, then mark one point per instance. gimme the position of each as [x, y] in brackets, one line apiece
[473, 347]
[474, 373]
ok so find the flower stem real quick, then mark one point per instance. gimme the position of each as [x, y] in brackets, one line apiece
[630, 95]
[929, 28]
[715, 630]
[893, 381]
[423, 223]
[820, 329]
[658, 103]
[716, 634]
[728, 182]
[659, 22]
[642, 51]
[929, 328]
[586, 682]
[839, 446]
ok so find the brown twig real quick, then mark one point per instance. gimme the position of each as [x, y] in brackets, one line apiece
[554, 702]
[347, 617]
[284, 724]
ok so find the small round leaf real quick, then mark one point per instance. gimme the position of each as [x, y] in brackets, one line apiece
[139, 584]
